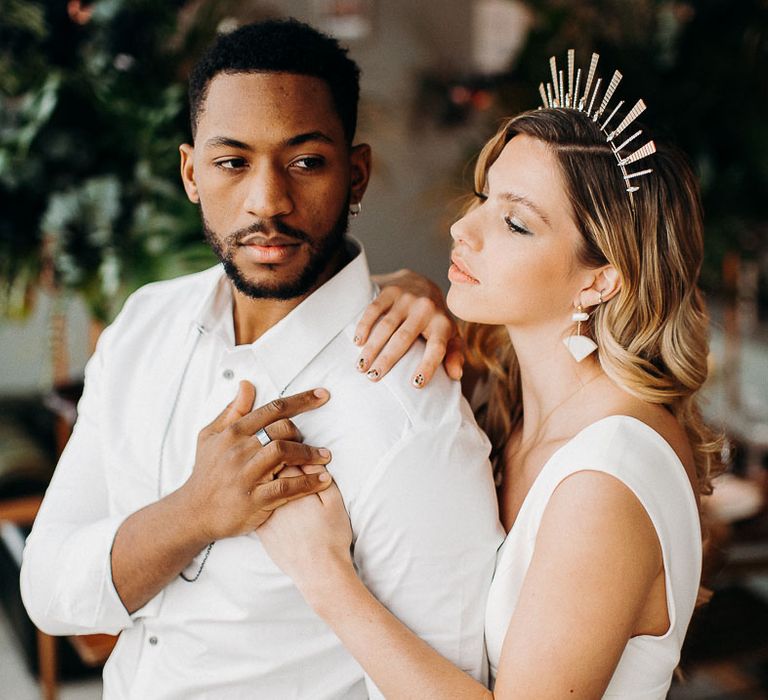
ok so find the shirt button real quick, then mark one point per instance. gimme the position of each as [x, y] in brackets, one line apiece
[153, 641]
[227, 374]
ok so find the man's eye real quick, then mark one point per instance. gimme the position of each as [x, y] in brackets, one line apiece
[231, 164]
[309, 163]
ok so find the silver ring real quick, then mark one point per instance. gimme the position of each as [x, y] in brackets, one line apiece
[263, 437]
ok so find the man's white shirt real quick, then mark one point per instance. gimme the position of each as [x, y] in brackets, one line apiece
[411, 464]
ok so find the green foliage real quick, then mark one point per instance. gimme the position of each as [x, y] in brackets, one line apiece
[92, 110]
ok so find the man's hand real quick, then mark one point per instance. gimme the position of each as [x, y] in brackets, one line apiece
[409, 306]
[233, 487]
[232, 490]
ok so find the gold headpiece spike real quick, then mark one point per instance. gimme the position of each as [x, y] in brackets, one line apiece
[638, 173]
[590, 75]
[631, 138]
[641, 152]
[633, 114]
[611, 115]
[553, 68]
[594, 95]
[575, 103]
[554, 95]
[615, 80]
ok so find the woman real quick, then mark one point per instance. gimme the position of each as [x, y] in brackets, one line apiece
[600, 459]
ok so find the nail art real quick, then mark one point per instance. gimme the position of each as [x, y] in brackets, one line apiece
[356, 340]
[361, 364]
[418, 380]
[372, 374]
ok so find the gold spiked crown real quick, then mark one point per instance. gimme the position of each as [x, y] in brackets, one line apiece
[554, 96]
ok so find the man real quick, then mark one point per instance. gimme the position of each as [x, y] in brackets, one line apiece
[148, 526]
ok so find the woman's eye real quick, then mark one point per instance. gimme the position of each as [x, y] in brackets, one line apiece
[309, 163]
[231, 164]
[481, 196]
[516, 225]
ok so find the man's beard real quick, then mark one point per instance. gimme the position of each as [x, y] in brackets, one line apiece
[321, 250]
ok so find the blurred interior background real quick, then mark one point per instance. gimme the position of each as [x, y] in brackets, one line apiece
[93, 108]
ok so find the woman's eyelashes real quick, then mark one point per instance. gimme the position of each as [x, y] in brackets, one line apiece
[514, 224]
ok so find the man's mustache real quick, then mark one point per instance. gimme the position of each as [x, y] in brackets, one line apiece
[268, 228]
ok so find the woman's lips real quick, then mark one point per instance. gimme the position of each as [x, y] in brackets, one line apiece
[457, 272]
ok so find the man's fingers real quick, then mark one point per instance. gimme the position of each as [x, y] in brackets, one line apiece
[286, 407]
[240, 406]
[268, 461]
[376, 309]
[283, 429]
[276, 493]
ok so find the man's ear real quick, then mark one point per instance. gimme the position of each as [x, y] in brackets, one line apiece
[360, 171]
[187, 152]
[603, 284]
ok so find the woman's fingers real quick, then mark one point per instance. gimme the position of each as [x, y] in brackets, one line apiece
[454, 357]
[408, 308]
[394, 334]
[376, 309]
[400, 328]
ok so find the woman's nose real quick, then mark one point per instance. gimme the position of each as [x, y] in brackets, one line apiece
[464, 230]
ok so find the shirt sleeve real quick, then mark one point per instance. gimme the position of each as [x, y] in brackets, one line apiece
[426, 535]
[66, 576]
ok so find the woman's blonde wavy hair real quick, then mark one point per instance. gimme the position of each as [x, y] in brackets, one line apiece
[652, 337]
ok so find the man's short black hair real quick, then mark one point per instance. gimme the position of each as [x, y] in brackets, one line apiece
[280, 46]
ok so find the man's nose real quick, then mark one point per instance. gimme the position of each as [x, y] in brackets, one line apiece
[268, 192]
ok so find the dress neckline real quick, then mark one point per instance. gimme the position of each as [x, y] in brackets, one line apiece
[615, 416]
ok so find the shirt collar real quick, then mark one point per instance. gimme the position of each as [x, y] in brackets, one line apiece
[292, 343]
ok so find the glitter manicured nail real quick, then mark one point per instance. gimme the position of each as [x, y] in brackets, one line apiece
[361, 364]
[372, 374]
[418, 380]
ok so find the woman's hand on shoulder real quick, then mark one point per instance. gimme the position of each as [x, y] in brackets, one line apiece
[409, 306]
[309, 538]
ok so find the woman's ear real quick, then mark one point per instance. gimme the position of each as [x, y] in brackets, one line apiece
[604, 284]
[187, 153]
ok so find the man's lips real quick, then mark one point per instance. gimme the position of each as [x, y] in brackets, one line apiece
[269, 250]
[458, 272]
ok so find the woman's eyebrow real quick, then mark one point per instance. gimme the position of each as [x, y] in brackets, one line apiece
[520, 199]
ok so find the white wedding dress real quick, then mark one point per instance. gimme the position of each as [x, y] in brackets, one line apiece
[637, 455]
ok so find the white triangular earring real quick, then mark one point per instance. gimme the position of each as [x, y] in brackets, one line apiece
[580, 346]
